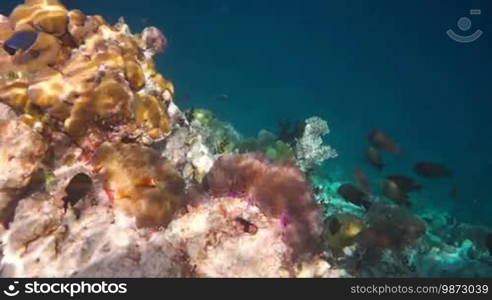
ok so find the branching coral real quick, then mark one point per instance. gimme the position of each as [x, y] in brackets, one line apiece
[279, 190]
[81, 74]
[142, 184]
[310, 150]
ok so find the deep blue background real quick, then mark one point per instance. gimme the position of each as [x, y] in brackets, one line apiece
[359, 64]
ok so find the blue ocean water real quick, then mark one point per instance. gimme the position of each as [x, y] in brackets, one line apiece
[358, 64]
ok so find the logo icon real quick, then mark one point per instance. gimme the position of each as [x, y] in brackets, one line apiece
[464, 24]
[11, 291]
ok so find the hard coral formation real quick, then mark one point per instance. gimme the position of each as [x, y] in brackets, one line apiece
[44, 15]
[81, 73]
[280, 190]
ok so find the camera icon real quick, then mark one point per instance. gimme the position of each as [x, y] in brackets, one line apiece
[464, 24]
[11, 290]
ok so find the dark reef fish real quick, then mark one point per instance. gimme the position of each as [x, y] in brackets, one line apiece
[78, 187]
[394, 192]
[362, 179]
[432, 170]
[354, 195]
[21, 40]
[374, 158]
[405, 183]
[381, 141]
[455, 194]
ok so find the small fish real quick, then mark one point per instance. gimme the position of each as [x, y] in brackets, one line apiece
[488, 242]
[21, 40]
[185, 98]
[362, 180]
[222, 97]
[455, 195]
[147, 182]
[393, 192]
[405, 183]
[432, 170]
[334, 225]
[381, 141]
[354, 195]
[374, 158]
[78, 187]
[247, 226]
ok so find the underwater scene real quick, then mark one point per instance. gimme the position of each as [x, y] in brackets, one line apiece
[231, 138]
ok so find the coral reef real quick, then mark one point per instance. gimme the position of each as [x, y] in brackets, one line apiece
[102, 175]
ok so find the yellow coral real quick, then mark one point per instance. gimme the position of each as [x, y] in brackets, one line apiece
[135, 75]
[149, 114]
[100, 84]
[144, 185]
[6, 29]
[45, 15]
[14, 93]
